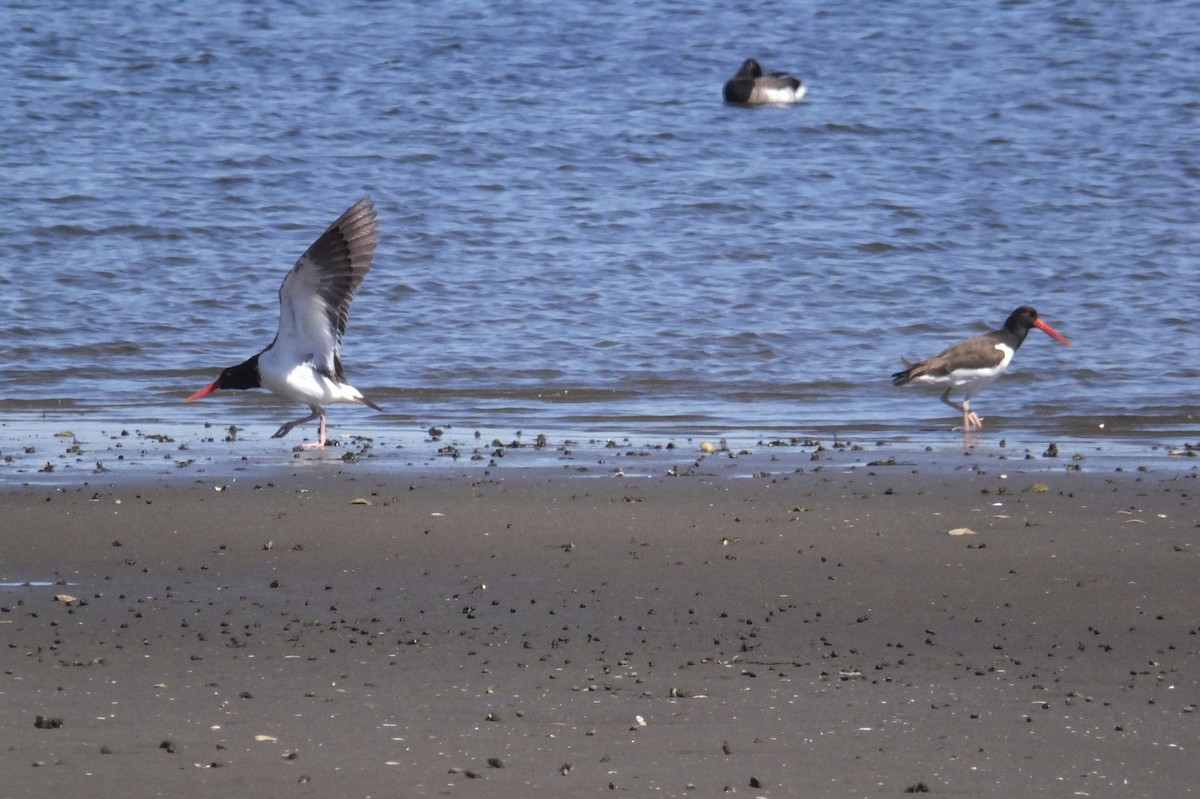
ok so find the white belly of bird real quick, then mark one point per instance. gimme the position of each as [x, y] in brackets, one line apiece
[305, 384]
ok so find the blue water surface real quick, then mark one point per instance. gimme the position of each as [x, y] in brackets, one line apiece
[579, 237]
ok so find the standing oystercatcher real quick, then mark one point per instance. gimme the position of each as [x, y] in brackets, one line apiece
[973, 364]
[303, 363]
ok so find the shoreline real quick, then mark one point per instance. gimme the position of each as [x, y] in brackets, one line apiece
[102, 453]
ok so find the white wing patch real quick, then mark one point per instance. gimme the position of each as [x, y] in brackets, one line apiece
[306, 332]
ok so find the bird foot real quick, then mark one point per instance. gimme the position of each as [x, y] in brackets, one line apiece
[971, 424]
[312, 445]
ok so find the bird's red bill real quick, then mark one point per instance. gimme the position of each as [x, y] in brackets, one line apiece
[1049, 331]
[204, 392]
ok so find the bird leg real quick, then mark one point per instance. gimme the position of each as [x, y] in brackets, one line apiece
[320, 442]
[317, 413]
[971, 420]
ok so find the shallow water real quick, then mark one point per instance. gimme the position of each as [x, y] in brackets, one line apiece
[579, 238]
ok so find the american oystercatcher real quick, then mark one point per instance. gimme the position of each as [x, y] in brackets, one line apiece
[751, 87]
[302, 363]
[973, 364]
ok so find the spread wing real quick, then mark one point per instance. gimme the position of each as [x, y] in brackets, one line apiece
[314, 299]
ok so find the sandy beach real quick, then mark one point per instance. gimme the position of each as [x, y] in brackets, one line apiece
[532, 632]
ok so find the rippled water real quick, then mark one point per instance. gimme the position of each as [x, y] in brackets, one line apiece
[577, 235]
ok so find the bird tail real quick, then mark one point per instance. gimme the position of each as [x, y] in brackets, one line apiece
[900, 378]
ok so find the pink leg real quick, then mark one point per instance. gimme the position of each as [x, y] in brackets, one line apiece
[320, 442]
[971, 420]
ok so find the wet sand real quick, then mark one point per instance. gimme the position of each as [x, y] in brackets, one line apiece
[537, 633]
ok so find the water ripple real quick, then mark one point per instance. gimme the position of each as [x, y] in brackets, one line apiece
[556, 247]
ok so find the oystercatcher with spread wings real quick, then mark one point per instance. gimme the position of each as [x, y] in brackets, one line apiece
[975, 363]
[303, 363]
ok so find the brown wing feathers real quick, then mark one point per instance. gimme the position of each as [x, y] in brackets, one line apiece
[343, 256]
[978, 352]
